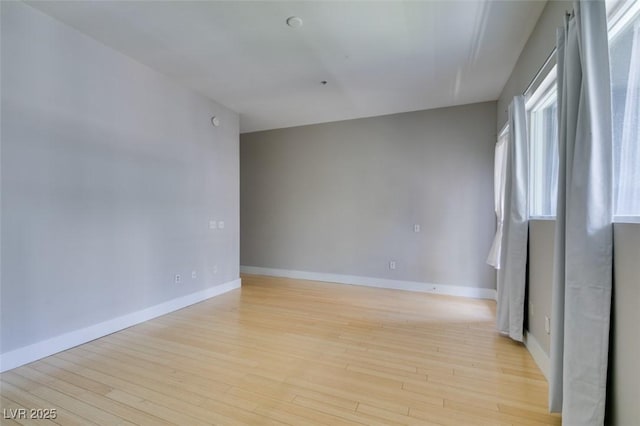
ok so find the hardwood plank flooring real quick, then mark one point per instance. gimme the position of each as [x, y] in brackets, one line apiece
[282, 351]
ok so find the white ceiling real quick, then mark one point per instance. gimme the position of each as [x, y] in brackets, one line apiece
[378, 57]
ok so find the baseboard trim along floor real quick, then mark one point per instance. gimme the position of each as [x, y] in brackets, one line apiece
[36, 351]
[451, 290]
[539, 355]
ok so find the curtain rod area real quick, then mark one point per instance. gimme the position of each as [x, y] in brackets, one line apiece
[540, 70]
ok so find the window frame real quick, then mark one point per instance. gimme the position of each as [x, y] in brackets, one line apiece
[539, 98]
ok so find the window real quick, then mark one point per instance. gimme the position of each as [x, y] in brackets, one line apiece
[542, 111]
[624, 52]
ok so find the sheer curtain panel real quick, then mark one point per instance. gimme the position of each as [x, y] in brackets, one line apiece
[627, 162]
[513, 256]
[500, 167]
[581, 298]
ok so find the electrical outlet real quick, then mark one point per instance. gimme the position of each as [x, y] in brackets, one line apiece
[547, 324]
[178, 279]
[221, 224]
[416, 228]
[194, 275]
[392, 264]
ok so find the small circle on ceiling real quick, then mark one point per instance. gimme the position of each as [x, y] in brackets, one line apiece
[215, 121]
[323, 82]
[294, 22]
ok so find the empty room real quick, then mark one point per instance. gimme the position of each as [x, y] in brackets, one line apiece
[320, 212]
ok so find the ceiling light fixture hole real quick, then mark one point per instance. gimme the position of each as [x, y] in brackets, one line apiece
[294, 22]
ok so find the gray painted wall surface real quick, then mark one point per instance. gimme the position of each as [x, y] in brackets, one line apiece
[343, 197]
[624, 381]
[110, 173]
[537, 49]
[541, 249]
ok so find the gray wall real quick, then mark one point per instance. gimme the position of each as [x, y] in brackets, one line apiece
[110, 174]
[624, 373]
[541, 249]
[343, 197]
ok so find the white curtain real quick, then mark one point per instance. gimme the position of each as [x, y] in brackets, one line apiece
[581, 298]
[628, 167]
[513, 258]
[499, 174]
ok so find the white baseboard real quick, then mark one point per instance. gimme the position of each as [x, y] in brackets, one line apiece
[452, 290]
[539, 355]
[69, 340]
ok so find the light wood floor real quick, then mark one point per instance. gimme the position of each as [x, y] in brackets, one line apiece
[294, 352]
